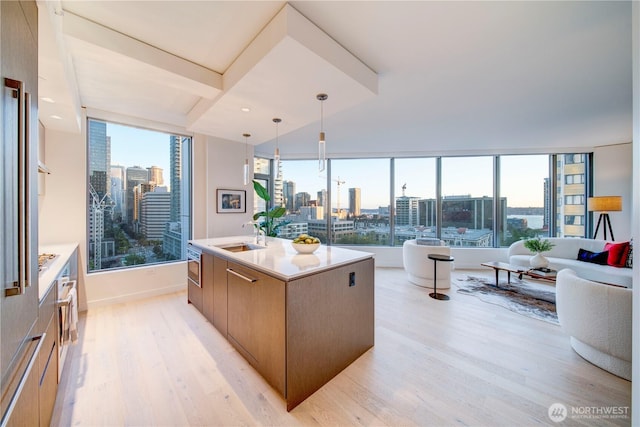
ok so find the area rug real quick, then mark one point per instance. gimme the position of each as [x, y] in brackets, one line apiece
[518, 296]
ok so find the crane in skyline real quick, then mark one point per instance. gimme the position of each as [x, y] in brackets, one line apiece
[338, 183]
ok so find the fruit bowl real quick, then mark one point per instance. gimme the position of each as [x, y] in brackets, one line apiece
[305, 248]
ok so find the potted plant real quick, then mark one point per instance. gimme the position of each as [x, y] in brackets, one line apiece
[266, 220]
[538, 246]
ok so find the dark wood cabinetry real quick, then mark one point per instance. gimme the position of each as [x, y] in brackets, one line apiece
[256, 321]
[220, 294]
[206, 282]
[297, 334]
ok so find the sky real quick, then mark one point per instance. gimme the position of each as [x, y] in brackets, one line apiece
[132, 146]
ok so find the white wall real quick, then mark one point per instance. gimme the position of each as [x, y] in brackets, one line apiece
[613, 170]
[225, 161]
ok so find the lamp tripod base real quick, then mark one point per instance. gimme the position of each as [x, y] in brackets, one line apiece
[606, 222]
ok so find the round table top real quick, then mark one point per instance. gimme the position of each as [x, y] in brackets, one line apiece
[439, 257]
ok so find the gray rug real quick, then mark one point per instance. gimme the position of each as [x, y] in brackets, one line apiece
[517, 296]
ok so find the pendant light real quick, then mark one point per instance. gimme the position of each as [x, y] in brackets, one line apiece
[322, 159]
[276, 155]
[245, 170]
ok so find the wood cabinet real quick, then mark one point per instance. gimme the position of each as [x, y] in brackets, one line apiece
[297, 334]
[48, 357]
[220, 294]
[206, 282]
[256, 321]
[330, 323]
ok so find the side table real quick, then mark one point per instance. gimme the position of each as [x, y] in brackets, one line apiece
[436, 258]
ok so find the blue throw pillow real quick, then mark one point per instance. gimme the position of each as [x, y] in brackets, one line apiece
[593, 257]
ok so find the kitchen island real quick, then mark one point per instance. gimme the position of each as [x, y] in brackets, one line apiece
[298, 319]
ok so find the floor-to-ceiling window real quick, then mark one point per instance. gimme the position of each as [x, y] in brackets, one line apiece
[138, 205]
[467, 201]
[571, 194]
[415, 198]
[456, 202]
[303, 192]
[525, 186]
[360, 201]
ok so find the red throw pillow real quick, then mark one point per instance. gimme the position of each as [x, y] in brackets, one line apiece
[618, 253]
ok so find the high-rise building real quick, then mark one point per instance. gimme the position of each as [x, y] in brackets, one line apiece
[571, 190]
[279, 198]
[99, 158]
[175, 174]
[354, 201]
[288, 193]
[322, 198]
[118, 191]
[407, 211]
[302, 199]
[135, 176]
[154, 214]
[155, 175]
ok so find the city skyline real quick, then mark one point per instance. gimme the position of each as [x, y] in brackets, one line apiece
[526, 191]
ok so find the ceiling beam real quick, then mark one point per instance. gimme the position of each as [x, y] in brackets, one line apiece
[194, 78]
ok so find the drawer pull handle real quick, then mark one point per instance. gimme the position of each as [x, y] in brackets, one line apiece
[235, 273]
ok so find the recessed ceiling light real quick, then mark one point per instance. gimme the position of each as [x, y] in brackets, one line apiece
[56, 117]
[245, 109]
[47, 99]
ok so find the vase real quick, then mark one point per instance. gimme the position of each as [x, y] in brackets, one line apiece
[538, 261]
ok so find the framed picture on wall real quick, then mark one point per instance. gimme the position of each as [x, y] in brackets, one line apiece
[231, 201]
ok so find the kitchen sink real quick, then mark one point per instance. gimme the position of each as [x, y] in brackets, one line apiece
[239, 247]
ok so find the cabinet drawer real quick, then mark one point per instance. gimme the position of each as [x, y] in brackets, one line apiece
[48, 361]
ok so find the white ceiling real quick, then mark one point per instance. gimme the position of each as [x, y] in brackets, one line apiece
[416, 77]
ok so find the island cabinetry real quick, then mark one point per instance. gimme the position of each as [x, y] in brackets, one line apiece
[220, 295]
[206, 281]
[330, 323]
[256, 321]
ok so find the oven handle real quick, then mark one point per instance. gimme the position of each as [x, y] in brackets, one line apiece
[66, 301]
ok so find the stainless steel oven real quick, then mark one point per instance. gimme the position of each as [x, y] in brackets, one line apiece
[66, 301]
[193, 265]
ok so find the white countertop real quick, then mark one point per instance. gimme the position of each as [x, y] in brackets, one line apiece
[279, 258]
[54, 267]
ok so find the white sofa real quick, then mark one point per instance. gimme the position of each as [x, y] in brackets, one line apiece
[419, 268]
[564, 255]
[597, 317]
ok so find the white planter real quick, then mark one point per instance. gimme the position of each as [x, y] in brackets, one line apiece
[538, 261]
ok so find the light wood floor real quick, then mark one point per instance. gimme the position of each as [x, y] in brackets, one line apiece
[458, 362]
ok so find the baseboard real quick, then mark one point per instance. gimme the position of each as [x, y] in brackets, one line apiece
[136, 296]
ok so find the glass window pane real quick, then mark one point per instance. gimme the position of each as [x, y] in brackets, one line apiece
[571, 195]
[261, 166]
[135, 216]
[360, 201]
[303, 193]
[415, 199]
[467, 204]
[527, 197]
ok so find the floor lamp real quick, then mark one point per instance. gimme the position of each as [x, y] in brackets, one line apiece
[604, 205]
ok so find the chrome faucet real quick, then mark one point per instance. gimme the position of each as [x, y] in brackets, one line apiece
[258, 231]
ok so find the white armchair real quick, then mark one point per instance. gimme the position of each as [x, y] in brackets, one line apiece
[598, 319]
[419, 268]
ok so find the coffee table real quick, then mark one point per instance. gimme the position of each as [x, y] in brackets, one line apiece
[498, 266]
[520, 271]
